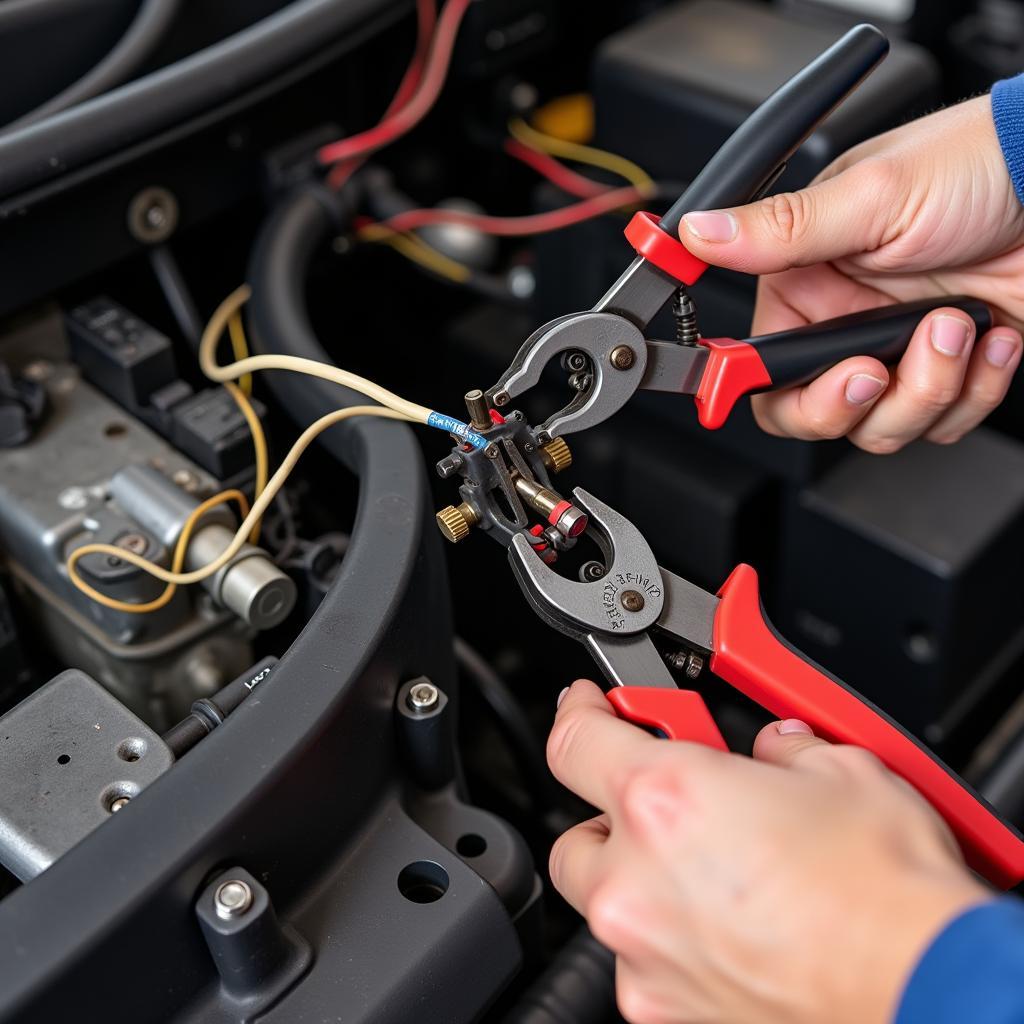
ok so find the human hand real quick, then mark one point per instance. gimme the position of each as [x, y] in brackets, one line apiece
[799, 887]
[925, 210]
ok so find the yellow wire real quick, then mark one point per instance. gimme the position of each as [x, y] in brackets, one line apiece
[411, 411]
[412, 247]
[253, 516]
[177, 561]
[553, 146]
[259, 441]
[240, 347]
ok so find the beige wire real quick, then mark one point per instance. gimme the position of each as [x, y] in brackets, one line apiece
[258, 509]
[408, 410]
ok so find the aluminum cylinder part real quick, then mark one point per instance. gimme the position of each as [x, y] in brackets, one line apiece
[250, 585]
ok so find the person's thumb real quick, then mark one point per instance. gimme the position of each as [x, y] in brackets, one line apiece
[784, 743]
[841, 216]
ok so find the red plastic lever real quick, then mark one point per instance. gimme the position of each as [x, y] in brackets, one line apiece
[750, 656]
[665, 251]
[679, 714]
[734, 369]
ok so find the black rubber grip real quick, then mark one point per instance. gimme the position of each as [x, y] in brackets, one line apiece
[757, 152]
[797, 356]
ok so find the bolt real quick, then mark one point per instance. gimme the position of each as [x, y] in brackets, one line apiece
[491, 451]
[232, 899]
[591, 572]
[502, 398]
[694, 666]
[185, 479]
[116, 805]
[575, 361]
[632, 600]
[622, 357]
[136, 543]
[423, 697]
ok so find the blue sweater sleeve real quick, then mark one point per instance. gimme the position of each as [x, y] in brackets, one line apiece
[973, 973]
[1008, 112]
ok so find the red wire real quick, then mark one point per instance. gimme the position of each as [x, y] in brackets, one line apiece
[426, 19]
[408, 116]
[556, 172]
[533, 224]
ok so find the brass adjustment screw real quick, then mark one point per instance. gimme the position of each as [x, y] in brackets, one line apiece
[556, 455]
[455, 522]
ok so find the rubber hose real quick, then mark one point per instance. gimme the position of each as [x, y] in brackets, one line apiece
[163, 98]
[147, 29]
[279, 322]
[578, 987]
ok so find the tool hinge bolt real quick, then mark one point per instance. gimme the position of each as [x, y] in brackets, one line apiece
[557, 455]
[632, 600]
[622, 357]
[455, 522]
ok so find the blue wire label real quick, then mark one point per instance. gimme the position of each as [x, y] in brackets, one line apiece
[458, 428]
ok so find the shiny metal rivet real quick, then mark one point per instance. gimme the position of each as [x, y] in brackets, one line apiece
[118, 804]
[423, 697]
[632, 600]
[232, 899]
[622, 357]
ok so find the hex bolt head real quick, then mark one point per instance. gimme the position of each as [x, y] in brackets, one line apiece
[423, 697]
[632, 600]
[232, 899]
[622, 357]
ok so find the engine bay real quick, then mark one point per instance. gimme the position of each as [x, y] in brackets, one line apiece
[274, 703]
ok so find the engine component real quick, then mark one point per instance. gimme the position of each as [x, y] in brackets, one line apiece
[71, 756]
[940, 526]
[54, 497]
[250, 584]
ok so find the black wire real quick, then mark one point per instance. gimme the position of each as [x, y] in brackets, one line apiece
[19, 14]
[147, 29]
[164, 98]
[176, 292]
[512, 722]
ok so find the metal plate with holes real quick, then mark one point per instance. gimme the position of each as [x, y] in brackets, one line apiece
[70, 756]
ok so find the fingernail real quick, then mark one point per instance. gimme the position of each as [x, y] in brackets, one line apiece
[950, 334]
[862, 387]
[792, 726]
[712, 225]
[561, 697]
[1000, 351]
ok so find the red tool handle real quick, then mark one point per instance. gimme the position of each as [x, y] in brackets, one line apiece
[679, 714]
[751, 657]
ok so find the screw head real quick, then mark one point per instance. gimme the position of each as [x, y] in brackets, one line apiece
[118, 804]
[632, 600]
[576, 361]
[491, 451]
[622, 357]
[591, 572]
[232, 899]
[502, 398]
[423, 697]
